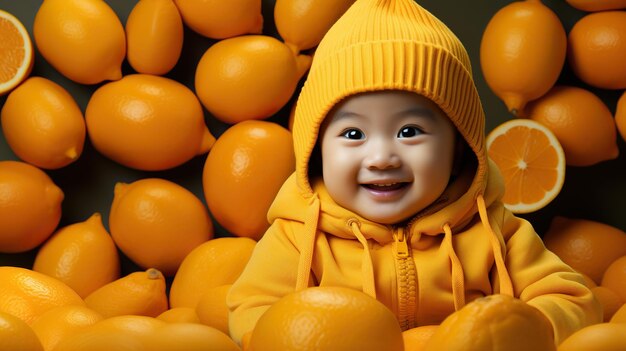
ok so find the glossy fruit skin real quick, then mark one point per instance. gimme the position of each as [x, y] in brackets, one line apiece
[16, 335]
[222, 19]
[256, 69]
[28, 193]
[157, 223]
[43, 124]
[597, 5]
[620, 116]
[614, 277]
[154, 35]
[587, 246]
[597, 48]
[581, 121]
[82, 255]
[303, 23]
[596, 337]
[62, 322]
[27, 294]
[522, 52]
[147, 122]
[317, 319]
[83, 39]
[243, 173]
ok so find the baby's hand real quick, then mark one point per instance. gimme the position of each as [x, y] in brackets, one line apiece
[496, 322]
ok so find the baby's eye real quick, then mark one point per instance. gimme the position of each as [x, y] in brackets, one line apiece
[353, 134]
[409, 132]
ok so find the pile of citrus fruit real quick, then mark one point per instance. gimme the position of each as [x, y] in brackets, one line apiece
[151, 270]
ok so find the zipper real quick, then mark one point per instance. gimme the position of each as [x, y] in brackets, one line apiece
[406, 275]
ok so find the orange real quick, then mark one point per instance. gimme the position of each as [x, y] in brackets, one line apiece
[609, 301]
[82, 255]
[522, 52]
[147, 122]
[597, 337]
[597, 5]
[495, 322]
[531, 161]
[191, 337]
[156, 223]
[212, 309]
[581, 121]
[179, 315]
[620, 115]
[83, 39]
[597, 48]
[587, 246]
[43, 124]
[257, 69]
[620, 315]
[138, 293]
[27, 294]
[222, 19]
[302, 24]
[327, 318]
[614, 277]
[119, 333]
[30, 206]
[243, 173]
[62, 322]
[16, 335]
[415, 339]
[217, 262]
[154, 36]
[16, 57]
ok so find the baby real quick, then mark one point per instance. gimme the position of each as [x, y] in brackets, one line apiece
[393, 192]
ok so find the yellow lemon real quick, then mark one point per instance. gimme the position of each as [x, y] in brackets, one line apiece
[82, 255]
[179, 315]
[62, 322]
[222, 19]
[257, 69]
[147, 122]
[43, 124]
[154, 35]
[191, 337]
[16, 335]
[212, 309]
[83, 39]
[597, 337]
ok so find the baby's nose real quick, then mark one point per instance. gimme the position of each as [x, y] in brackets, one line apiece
[382, 158]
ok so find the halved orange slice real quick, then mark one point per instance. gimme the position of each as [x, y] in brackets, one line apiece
[532, 163]
[16, 52]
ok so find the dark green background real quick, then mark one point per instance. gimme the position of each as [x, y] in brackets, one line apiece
[596, 192]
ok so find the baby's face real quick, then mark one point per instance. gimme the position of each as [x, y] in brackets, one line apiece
[387, 155]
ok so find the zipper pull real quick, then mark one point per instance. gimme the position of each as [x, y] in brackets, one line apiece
[402, 248]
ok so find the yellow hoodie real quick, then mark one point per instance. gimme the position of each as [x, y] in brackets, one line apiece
[463, 246]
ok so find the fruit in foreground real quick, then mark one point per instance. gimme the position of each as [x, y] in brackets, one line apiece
[43, 124]
[27, 294]
[83, 39]
[531, 161]
[16, 335]
[497, 323]
[597, 337]
[522, 52]
[581, 121]
[147, 122]
[27, 193]
[243, 173]
[327, 318]
[62, 322]
[614, 277]
[597, 5]
[16, 58]
[157, 222]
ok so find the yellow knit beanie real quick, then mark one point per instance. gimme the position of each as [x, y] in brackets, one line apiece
[388, 45]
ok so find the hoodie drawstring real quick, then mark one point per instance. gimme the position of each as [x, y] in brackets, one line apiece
[458, 277]
[306, 253]
[367, 267]
[506, 286]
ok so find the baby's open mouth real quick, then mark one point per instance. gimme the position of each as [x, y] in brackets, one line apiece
[386, 187]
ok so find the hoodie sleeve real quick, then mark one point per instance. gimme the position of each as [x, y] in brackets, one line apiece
[541, 279]
[269, 275]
